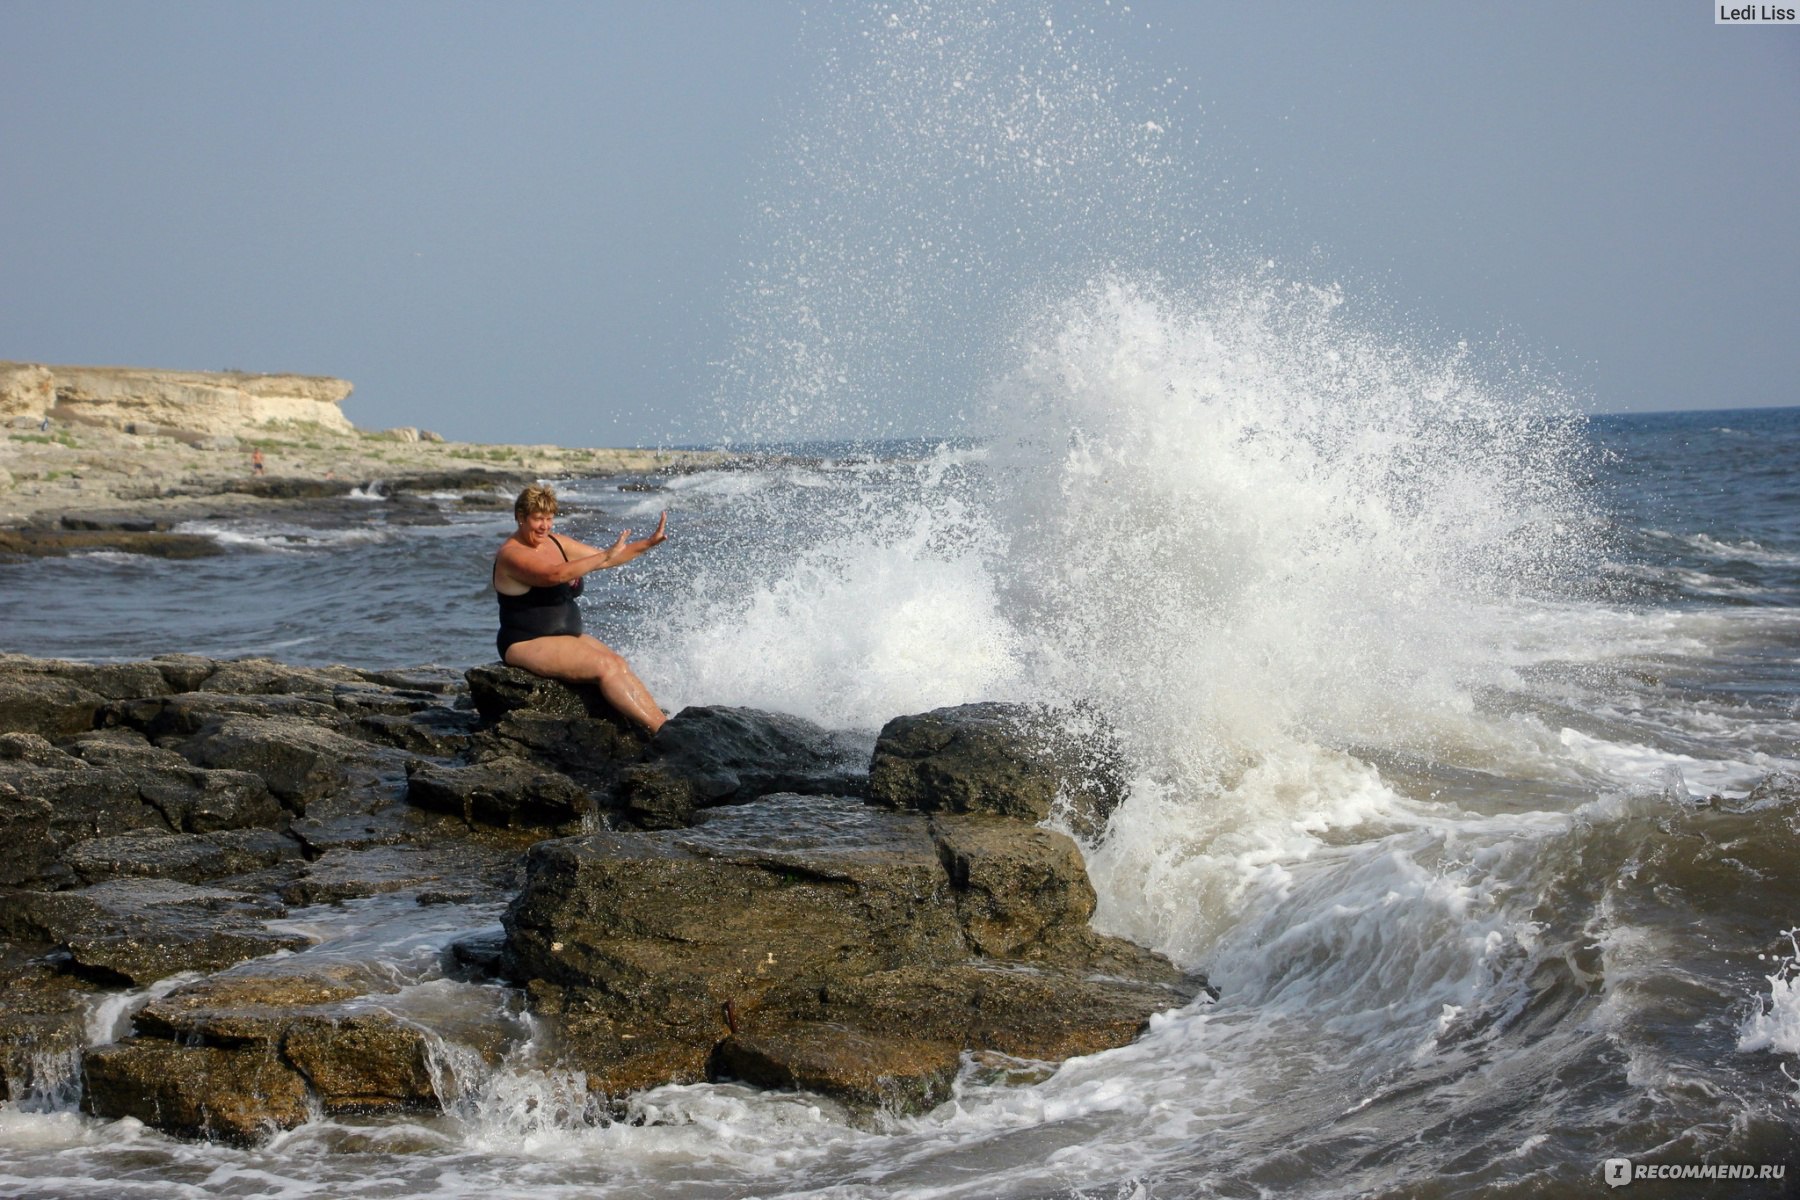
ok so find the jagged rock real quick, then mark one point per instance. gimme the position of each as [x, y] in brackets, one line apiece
[363, 1062]
[1011, 760]
[33, 749]
[1031, 1012]
[780, 940]
[332, 1026]
[114, 522]
[190, 712]
[355, 830]
[184, 672]
[43, 1024]
[657, 799]
[42, 542]
[46, 705]
[144, 930]
[298, 761]
[45, 809]
[189, 857]
[435, 733]
[869, 1071]
[352, 874]
[498, 690]
[657, 931]
[1015, 885]
[591, 752]
[266, 677]
[190, 799]
[707, 756]
[861, 951]
[508, 792]
[200, 1091]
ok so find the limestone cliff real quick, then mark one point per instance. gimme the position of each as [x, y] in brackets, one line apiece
[142, 400]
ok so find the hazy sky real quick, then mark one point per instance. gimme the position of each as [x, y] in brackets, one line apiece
[531, 222]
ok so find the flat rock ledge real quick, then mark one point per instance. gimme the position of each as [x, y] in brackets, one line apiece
[746, 896]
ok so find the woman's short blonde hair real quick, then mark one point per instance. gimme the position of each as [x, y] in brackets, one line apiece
[538, 498]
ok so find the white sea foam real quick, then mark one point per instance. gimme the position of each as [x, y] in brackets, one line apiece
[1775, 1024]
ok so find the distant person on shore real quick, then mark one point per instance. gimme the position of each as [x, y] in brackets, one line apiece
[256, 462]
[537, 576]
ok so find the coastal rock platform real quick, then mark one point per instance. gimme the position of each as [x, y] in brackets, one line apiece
[234, 894]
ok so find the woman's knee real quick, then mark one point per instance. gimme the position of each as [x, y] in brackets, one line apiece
[606, 663]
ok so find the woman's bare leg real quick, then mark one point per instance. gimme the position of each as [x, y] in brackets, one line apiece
[586, 659]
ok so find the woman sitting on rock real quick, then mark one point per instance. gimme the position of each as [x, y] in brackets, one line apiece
[537, 576]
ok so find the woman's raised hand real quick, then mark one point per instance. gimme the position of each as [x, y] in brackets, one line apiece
[659, 537]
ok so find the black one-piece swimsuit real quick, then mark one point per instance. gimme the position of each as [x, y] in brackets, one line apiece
[541, 612]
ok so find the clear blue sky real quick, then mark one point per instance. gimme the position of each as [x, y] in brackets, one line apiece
[535, 222]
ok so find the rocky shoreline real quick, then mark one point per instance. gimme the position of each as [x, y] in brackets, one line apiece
[745, 897]
[76, 488]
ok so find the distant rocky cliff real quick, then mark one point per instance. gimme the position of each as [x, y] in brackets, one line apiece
[141, 400]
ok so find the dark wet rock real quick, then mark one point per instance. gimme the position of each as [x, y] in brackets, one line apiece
[1007, 759]
[466, 479]
[266, 677]
[33, 750]
[498, 689]
[355, 874]
[813, 941]
[762, 897]
[297, 760]
[335, 1028]
[43, 1024]
[362, 1062]
[46, 705]
[249, 1005]
[1022, 1010]
[810, 931]
[480, 955]
[189, 857]
[649, 935]
[1016, 886]
[653, 798]
[183, 672]
[355, 1060]
[41, 541]
[546, 715]
[436, 733]
[707, 756]
[278, 487]
[868, 1071]
[140, 931]
[116, 747]
[589, 751]
[199, 1091]
[46, 809]
[208, 801]
[190, 712]
[114, 522]
[508, 792]
[438, 681]
[110, 681]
